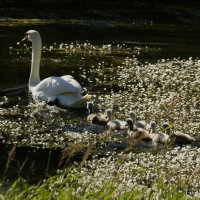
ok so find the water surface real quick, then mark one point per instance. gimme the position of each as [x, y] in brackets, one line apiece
[149, 66]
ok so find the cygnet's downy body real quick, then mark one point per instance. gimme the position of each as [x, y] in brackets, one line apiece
[158, 137]
[116, 124]
[139, 136]
[98, 118]
[178, 138]
[138, 124]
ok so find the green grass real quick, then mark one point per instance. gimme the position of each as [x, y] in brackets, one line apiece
[51, 189]
[118, 176]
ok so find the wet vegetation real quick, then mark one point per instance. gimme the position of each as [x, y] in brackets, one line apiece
[140, 56]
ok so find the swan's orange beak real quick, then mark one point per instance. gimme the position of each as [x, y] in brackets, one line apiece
[24, 39]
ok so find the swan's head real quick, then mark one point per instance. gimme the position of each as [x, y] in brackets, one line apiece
[32, 36]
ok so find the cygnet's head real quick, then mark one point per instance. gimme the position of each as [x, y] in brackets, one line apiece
[131, 114]
[108, 113]
[31, 35]
[90, 106]
[153, 125]
[129, 122]
[165, 125]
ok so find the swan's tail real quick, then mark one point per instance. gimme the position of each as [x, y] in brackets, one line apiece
[81, 102]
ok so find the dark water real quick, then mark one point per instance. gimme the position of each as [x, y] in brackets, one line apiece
[102, 39]
[163, 41]
[168, 29]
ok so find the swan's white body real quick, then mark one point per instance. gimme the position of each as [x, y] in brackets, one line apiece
[64, 90]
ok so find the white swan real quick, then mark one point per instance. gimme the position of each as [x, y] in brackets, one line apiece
[64, 90]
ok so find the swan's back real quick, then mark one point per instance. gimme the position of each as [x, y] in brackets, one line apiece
[57, 86]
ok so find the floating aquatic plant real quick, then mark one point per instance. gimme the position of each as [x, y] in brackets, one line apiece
[167, 89]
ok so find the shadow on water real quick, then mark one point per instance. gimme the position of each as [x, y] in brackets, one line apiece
[11, 91]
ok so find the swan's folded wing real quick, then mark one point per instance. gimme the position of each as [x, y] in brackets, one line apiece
[57, 85]
[67, 77]
[81, 102]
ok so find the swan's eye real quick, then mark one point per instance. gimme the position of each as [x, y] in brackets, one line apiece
[26, 34]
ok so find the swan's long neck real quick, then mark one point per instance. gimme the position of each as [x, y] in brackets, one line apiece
[34, 78]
